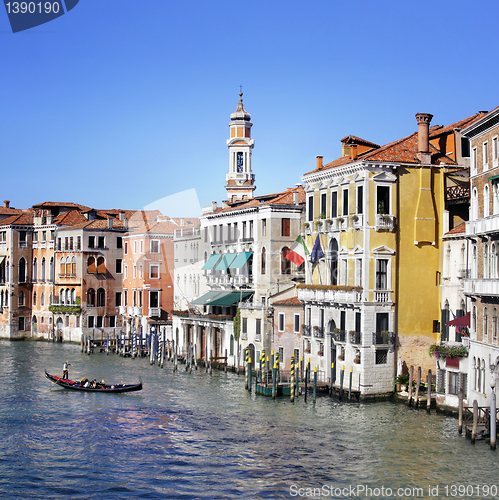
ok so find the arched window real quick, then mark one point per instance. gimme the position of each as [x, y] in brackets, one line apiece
[42, 276]
[475, 382]
[52, 269]
[62, 296]
[91, 268]
[68, 296]
[486, 200]
[22, 270]
[285, 263]
[68, 266]
[333, 252]
[474, 205]
[20, 298]
[486, 261]
[73, 296]
[494, 326]
[73, 266]
[495, 199]
[62, 270]
[101, 297]
[264, 260]
[42, 299]
[35, 269]
[91, 297]
[473, 320]
[101, 265]
[34, 298]
[485, 325]
[475, 266]
[447, 262]
[493, 261]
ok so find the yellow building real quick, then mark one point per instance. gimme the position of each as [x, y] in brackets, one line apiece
[373, 299]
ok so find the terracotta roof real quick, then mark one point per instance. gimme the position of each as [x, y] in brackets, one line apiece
[352, 139]
[293, 301]
[460, 228]
[23, 219]
[437, 130]
[335, 163]
[69, 218]
[283, 198]
[47, 204]
[10, 211]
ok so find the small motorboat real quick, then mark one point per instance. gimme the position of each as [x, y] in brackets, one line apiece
[87, 385]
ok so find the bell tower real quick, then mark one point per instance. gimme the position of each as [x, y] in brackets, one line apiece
[240, 181]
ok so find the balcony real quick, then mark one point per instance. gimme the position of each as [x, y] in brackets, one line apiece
[385, 222]
[355, 338]
[357, 221]
[342, 223]
[383, 338]
[382, 296]
[258, 337]
[137, 311]
[306, 330]
[154, 312]
[244, 335]
[130, 311]
[123, 310]
[340, 335]
[318, 332]
[481, 286]
[332, 295]
[483, 226]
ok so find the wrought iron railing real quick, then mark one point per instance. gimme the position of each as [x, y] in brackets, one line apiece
[306, 331]
[383, 338]
[355, 338]
[319, 332]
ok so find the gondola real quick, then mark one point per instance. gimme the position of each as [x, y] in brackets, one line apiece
[78, 386]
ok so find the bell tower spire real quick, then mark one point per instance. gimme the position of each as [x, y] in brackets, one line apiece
[240, 179]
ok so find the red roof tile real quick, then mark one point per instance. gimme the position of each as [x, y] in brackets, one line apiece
[24, 219]
[460, 228]
[293, 301]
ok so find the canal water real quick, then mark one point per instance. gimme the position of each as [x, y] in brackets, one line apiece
[200, 436]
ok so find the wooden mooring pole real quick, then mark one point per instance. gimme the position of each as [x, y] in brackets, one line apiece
[342, 377]
[493, 431]
[306, 383]
[411, 378]
[475, 421]
[428, 392]
[292, 381]
[314, 397]
[418, 382]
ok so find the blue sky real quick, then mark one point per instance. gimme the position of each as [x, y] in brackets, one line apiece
[120, 103]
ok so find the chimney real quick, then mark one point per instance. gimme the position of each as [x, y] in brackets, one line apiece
[125, 223]
[6, 204]
[353, 151]
[110, 223]
[213, 206]
[319, 162]
[424, 120]
[296, 198]
[182, 222]
[122, 215]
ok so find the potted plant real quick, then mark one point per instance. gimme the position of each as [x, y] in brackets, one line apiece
[355, 218]
[357, 361]
[340, 219]
[402, 382]
[320, 353]
[341, 357]
[307, 350]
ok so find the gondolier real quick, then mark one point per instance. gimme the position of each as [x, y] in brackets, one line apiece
[65, 370]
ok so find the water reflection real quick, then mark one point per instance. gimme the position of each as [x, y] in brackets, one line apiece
[196, 436]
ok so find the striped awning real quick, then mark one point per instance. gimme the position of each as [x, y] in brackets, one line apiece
[225, 261]
[240, 260]
[212, 260]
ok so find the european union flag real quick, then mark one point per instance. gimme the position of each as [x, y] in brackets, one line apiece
[317, 252]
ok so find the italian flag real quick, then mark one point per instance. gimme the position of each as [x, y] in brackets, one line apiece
[297, 252]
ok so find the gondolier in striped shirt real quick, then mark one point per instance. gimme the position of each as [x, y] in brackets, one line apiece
[65, 370]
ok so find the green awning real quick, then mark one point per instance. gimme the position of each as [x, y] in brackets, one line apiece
[204, 299]
[212, 260]
[225, 261]
[226, 299]
[494, 178]
[240, 260]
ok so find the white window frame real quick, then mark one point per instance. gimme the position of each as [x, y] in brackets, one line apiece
[495, 151]
[135, 246]
[141, 246]
[474, 165]
[389, 186]
[125, 271]
[155, 242]
[157, 266]
[280, 322]
[296, 321]
[486, 201]
[485, 155]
